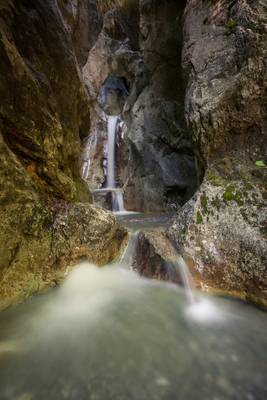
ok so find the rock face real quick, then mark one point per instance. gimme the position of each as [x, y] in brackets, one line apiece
[109, 72]
[112, 95]
[44, 105]
[223, 228]
[43, 113]
[156, 257]
[84, 19]
[189, 81]
[162, 170]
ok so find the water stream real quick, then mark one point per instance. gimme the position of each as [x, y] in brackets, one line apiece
[108, 334]
[112, 124]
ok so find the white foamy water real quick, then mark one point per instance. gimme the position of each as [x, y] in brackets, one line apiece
[109, 334]
[112, 123]
[187, 280]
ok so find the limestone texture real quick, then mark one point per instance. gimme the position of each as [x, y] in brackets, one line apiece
[223, 227]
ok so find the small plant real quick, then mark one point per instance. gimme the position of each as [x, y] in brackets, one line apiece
[231, 194]
[260, 164]
[230, 27]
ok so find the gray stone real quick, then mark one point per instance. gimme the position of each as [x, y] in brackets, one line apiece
[112, 95]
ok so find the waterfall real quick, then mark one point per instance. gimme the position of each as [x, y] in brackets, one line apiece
[128, 255]
[112, 123]
[117, 194]
[186, 279]
[118, 203]
[102, 194]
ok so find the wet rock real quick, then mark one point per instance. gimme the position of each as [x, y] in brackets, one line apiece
[221, 231]
[112, 96]
[157, 256]
[103, 199]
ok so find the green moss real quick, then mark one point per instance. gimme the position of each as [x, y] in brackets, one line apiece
[199, 218]
[231, 194]
[216, 203]
[204, 203]
[215, 180]
[230, 27]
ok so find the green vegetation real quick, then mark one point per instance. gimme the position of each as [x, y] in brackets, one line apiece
[230, 27]
[216, 203]
[231, 194]
[204, 203]
[215, 180]
[199, 218]
[260, 164]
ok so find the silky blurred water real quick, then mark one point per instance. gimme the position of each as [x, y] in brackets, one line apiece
[108, 334]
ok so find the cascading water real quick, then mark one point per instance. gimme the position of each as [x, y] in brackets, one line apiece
[186, 277]
[127, 258]
[112, 124]
[117, 195]
[109, 334]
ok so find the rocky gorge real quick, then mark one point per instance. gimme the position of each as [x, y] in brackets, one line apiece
[195, 130]
[188, 80]
[133, 199]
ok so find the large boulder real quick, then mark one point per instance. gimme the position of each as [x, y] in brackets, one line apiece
[223, 228]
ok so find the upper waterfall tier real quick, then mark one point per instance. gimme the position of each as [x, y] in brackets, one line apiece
[112, 124]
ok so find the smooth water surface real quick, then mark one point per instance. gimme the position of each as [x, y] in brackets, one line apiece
[108, 334]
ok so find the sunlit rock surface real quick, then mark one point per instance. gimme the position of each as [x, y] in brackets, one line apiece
[44, 111]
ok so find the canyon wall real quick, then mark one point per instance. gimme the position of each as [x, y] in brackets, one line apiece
[47, 221]
[222, 229]
[192, 141]
[196, 129]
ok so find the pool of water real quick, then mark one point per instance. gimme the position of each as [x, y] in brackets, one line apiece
[108, 334]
